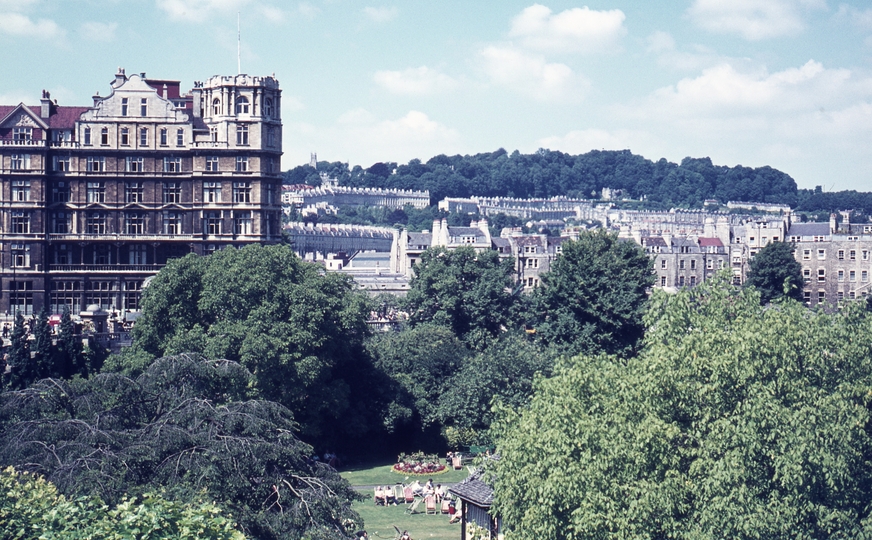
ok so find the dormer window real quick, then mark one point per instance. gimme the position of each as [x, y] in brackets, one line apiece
[241, 105]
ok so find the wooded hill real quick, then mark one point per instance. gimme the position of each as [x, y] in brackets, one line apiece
[548, 173]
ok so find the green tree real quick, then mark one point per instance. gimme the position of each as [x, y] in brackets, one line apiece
[43, 353]
[183, 428]
[70, 360]
[299, 331]
[464, 290]
[594, 295]
[31, 507]
[734, 421]
[23, 371]
[775, 272]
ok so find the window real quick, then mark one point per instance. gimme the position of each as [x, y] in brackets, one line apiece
[104, 136]
[841, 295]
[822, 296]
[132, 292]
[143, 107]
[532, 282]
[163, 136]
[806, 275]
[22, 134]
[241, 163]
[530, 249]
[213, 134]
[268, 108]
[241, 192]
[821, 254]
[211, 192]
[172, 223]
[134, 223]
[96, 164]
[270, 137]
[180, 137]
[721, 264]
[531, 263]
[172, 164]
[21, 297]
[693, 264]
[806, 254]
[692, 281]
[134, 164]
[125, 136]
[133, 192]
[60, 222]
[681, 264]
[241, 105]
[841, 254]
[100, 293]
[60, 192]
[841, 275]
[65, 295]
[20, 162]
[681, 281]
[864, 275]
[852, 254]
[211, 163]
[663, 264]
[172, 192]
[95, 223]
[242, 222]
[86, 135]
[709, 264]
[20, 190]
[852, 275]
[20, 223]
[865, 255]
[662, 281]
[213, 223]
[143, 136]
[216, 107]
[124, 106]
[242, 134]
[806, 297]
[822, 275]
[96, 192]
[61, 163]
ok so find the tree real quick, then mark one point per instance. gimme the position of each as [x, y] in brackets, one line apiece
[70, 360]
[775, 272]
[299, 331]
[734, 421]
[184, 428]
[464, 290]
[23, 371]
[593, 297]
[43, 354]
[30, 507]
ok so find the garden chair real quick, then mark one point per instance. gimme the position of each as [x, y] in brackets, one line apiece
[413, 507]
[408, 494]
[457, 462]
[430, 505]
[446, 504]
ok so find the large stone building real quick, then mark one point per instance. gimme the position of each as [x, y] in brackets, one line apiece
[97, 199]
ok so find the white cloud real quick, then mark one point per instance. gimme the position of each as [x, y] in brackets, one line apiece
[97, 31]
[307, 10]
[198, 10]
[863, 19]
[272, 14]
[415, 81]
[17, 24]
[359, 137]
[572, 30]
[753, 19]
[532, 75]
[585, 140]
[660, 41]
[381, 14]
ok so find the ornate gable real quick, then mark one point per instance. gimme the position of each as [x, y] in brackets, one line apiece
[22, 116]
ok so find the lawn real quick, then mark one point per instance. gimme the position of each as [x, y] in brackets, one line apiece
[378, 474]
[379, 522]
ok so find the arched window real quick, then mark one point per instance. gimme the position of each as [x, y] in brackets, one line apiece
[268, 108]
[241, 105]
[216, 107]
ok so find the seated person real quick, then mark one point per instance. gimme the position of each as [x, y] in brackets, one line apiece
[428, 487]
[379, 496]
[439, 493]
[390, 496]
[417, 488]
[405, 536]
[455, 517]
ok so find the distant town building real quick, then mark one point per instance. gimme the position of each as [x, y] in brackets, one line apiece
[330, 196]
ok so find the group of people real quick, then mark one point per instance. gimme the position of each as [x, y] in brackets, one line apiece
[385, 496]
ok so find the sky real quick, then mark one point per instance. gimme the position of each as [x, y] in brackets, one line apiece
[784, 83]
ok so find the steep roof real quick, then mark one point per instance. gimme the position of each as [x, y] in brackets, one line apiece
[708, 242]
[474, 490]
[809, 229]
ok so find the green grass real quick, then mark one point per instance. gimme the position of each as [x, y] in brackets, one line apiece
[381, 474]
[381, 520]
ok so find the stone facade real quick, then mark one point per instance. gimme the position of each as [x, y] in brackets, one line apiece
[98, 199]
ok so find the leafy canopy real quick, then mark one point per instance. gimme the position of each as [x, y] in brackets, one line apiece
[734, 421]
[775, 272]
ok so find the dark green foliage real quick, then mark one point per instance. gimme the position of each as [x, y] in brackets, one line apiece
[772, 269]
[70, 359]
[548, 173]
[43, 349]
[23, 370]
[594, 295]
[419, 361]
[504, 373]
[734, 421]
[463, 290]
[823, 204]
[299, 332]
[184, 426]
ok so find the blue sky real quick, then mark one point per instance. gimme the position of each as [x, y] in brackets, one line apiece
[786, 83]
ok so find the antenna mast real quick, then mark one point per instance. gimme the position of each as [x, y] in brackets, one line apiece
[238, 46]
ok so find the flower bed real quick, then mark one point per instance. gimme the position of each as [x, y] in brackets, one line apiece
[419, 463]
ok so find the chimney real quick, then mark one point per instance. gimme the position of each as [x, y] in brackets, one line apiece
[833, 224]
[164, 91]
[197, 94]
[120, 78]
[45, 104]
